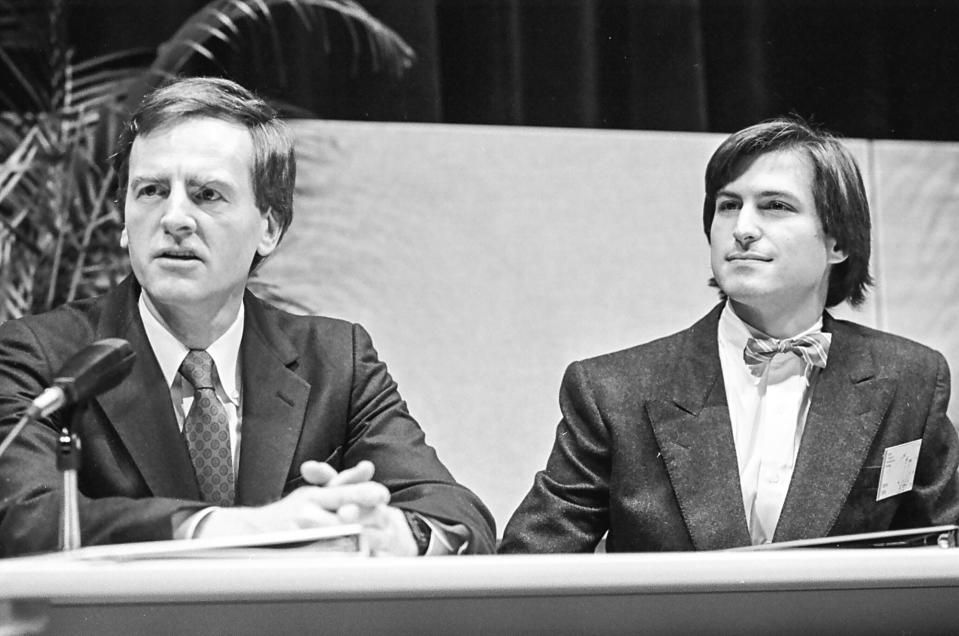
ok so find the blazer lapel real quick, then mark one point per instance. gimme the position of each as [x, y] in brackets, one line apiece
[848, 405]
[274, 407]
[140, 408]
[692, 427]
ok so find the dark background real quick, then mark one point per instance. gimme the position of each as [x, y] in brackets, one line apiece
[864, 68]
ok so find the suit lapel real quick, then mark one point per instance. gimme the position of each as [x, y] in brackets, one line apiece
[692, 427]
[140, 408]
[274, 406]
[848, 405]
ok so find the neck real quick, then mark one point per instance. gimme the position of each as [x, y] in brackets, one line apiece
[197, 327]
[781, 323]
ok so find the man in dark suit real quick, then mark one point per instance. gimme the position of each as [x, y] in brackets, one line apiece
[767, 420]
[237, 417]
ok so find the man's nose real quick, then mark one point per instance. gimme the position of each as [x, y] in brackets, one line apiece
[178, 214]
[748, 228]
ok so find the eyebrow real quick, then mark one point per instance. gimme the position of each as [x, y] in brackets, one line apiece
[138, 179]
[194, 181]
[764, 194]
[778, 193]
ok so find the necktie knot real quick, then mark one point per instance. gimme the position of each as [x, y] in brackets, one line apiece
[813, 348]
[197, 368]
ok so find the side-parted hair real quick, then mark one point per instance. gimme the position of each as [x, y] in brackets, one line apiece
[837, 188]
[274, 162]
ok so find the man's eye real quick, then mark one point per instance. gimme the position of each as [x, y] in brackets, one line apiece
[778, 205]
[208, 194]
[150, 190]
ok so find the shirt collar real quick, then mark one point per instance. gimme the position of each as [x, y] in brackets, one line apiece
[734, 331]
[170, 352]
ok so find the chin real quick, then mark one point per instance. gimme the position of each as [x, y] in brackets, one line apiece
[175, 292]
[742, 291]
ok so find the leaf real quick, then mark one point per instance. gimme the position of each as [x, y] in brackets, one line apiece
[198, 28]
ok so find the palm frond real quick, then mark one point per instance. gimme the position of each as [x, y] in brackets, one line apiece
[384, 43]
[19, 162]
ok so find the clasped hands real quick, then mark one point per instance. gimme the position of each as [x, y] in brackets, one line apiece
[331, 498]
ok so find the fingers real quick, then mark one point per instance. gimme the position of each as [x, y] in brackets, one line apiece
[350, 497]
[332, 498]
[363, 471]
[366, 495]
[286, 514]
[376, 516]
[317, 473]
[388, 534]
[322, 474]
[305, 517]
[350, 513]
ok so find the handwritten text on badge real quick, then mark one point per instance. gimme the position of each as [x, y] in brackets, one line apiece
[898, 469]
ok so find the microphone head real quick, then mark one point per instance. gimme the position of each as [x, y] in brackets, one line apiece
[94, 369]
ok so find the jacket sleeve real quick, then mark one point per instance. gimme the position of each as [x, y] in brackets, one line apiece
[567, 509]
[381, 430]
[30, 482]
[934, 499]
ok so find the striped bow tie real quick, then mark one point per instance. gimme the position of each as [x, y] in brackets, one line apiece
[812, 348]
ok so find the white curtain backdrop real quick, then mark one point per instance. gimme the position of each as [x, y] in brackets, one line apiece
[483, 260]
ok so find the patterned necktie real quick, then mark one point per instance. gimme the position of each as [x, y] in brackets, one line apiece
[207, 432]
[812, 348]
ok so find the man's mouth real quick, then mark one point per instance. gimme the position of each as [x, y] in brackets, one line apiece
[747, 256]
[178, 254]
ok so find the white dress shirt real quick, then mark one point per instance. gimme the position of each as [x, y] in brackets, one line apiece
[225, 352]
[768, 414]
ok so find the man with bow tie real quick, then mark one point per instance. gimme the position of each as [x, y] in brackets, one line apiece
[767, 420]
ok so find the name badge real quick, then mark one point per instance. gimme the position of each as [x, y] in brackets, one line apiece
[898, 469]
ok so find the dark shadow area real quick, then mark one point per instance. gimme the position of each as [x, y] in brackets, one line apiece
[865, 68]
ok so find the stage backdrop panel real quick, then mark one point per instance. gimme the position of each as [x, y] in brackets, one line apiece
[484, 260]
[916, 214]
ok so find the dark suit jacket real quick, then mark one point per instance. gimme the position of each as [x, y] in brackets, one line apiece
[645, 448]
[313, 388]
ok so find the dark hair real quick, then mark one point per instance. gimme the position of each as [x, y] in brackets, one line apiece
[837, 190]
[274, 163]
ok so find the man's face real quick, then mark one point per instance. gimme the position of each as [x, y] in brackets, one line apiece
[767, 246]
[192, 226]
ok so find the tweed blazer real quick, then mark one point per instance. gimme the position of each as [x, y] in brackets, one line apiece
[645, 451]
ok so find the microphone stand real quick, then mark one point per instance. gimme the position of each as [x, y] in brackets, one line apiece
[68, 463]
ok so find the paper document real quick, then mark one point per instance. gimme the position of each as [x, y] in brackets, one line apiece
[941, 536]
[334, 540]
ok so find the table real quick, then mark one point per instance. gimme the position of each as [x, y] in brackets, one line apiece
[807, 591]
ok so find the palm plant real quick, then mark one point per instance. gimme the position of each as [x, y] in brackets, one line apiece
[58, 221]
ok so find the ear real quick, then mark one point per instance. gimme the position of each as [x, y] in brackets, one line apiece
[834, 255]
[271, 234]
[124, 239]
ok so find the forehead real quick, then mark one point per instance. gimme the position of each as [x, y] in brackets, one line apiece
[198, 143]
[788, 170]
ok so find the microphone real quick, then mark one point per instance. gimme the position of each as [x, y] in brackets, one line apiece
[94, 369]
